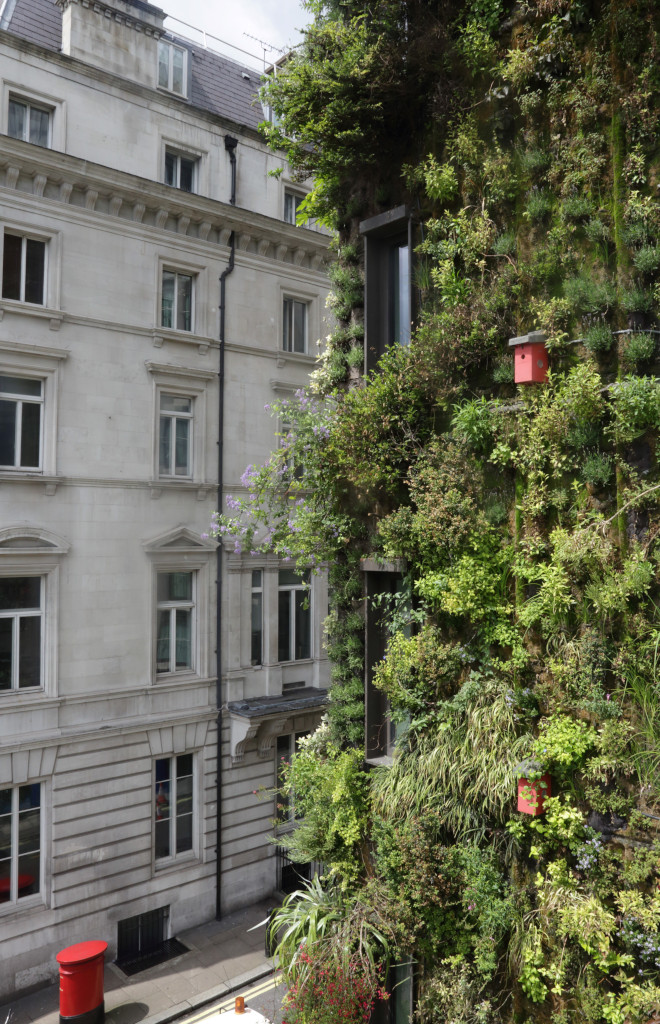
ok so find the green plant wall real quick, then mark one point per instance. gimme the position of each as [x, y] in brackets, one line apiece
[525, 139]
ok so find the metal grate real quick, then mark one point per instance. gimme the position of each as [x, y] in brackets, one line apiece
[291, 874]
[142, 941]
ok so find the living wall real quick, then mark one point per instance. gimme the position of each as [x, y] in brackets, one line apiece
[525, 641]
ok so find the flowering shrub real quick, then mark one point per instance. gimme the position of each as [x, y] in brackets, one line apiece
[331, 993]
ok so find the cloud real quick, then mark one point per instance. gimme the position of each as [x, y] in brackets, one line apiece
[271, 21]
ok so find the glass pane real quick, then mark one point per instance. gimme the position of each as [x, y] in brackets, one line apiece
[39, 126]
[17, 119]
[35, 258]
[184, 766]
[177, 69]
[163, 642]
[163, 769]
[299, 326]
[19, 592]
[187, 174]
[256, 630]
[163, 65]
[184, 796]
[184, 833]
[291, 578]
[182, 462]
[28, 831]
[183, 638]
[29, 796]
[162, 801]
[30, 435]
[289, 208]
[5, 830]
[6, 643]
[28, 874]
[7, 433]
[162, 839]
[256, 577]
[5, 876]
[283, 626]
[184, 302]
[170, 169]
[174, 586]
[11, 267]
[286, 326]
[29, 647]
[165, 446]
[167, 310]
[303, 624]
[175, 403]
[5, 802]
[20, 386]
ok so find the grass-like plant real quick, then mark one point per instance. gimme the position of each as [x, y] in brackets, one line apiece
[639, 348]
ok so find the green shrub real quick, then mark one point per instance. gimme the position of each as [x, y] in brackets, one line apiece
[597, 469]
[539, 205]
[638, 349]
[588, 296]
[647, 259]
[596, 231]
[575, 208]
[637, 300]
[505, 244]
[598, 338]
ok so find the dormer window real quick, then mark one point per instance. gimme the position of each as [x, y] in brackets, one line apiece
[172, 68]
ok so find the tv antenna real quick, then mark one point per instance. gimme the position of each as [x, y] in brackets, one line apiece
[265, 45]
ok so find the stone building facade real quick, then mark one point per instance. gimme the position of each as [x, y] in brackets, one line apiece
[134, 197]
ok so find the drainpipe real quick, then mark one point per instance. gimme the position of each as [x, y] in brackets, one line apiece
[230, 146]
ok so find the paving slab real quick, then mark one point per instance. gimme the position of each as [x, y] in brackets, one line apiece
[224, 956]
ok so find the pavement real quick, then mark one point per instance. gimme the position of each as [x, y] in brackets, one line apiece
[224, 956]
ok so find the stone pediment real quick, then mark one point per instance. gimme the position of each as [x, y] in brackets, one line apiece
[26, 539]
[180, 540]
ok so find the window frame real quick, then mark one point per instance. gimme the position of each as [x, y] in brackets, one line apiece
[178, 273]
[25, 236]
[293, 589]
[30, 105]
[182, 382]
[55, 105]
[173, 417]
[15, 615]
[297, 197]
[179, 155]
[182, 550]
[174, 858]
[19, 400]
[173, 606]
[20, 903]
[288, 325]
[44, 365]
[172, 46]
[257, 590]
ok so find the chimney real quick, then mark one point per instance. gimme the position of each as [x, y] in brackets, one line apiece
[120, 36]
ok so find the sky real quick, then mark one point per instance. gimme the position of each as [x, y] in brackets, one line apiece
[273, 21]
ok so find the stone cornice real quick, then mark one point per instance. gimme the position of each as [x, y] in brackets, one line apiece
[83, 186]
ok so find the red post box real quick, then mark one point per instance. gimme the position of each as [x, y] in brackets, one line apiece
[532, 795]
[81, 983]
[530, 358]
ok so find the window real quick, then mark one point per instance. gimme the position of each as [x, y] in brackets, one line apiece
[256, 618]
[21, 403]
[180, 170]
[175, 628]
[177, 301]
[389, 307]
[294, 334]
[287, 746]
[293, 616]
[23, 268]
[175, 436]
[20, 842]
[292, 201]
[28, 122]
[171, 68]
[21, 611]
[173, 806]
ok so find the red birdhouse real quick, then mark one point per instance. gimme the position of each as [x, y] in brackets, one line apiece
[532, 795]
[530, 358]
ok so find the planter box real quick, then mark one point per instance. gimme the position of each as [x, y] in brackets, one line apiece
[532, 795]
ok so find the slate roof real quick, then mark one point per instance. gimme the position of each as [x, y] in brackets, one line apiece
[297, 700]
[219, 85]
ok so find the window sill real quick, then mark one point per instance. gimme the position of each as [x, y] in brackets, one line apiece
[297, 661]
[162, 334]
[169, 483]
[56, 316]
[170, 92]
[34, 476]
[33, 903]
[29, 692]
[178, 677]
[171, 863]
